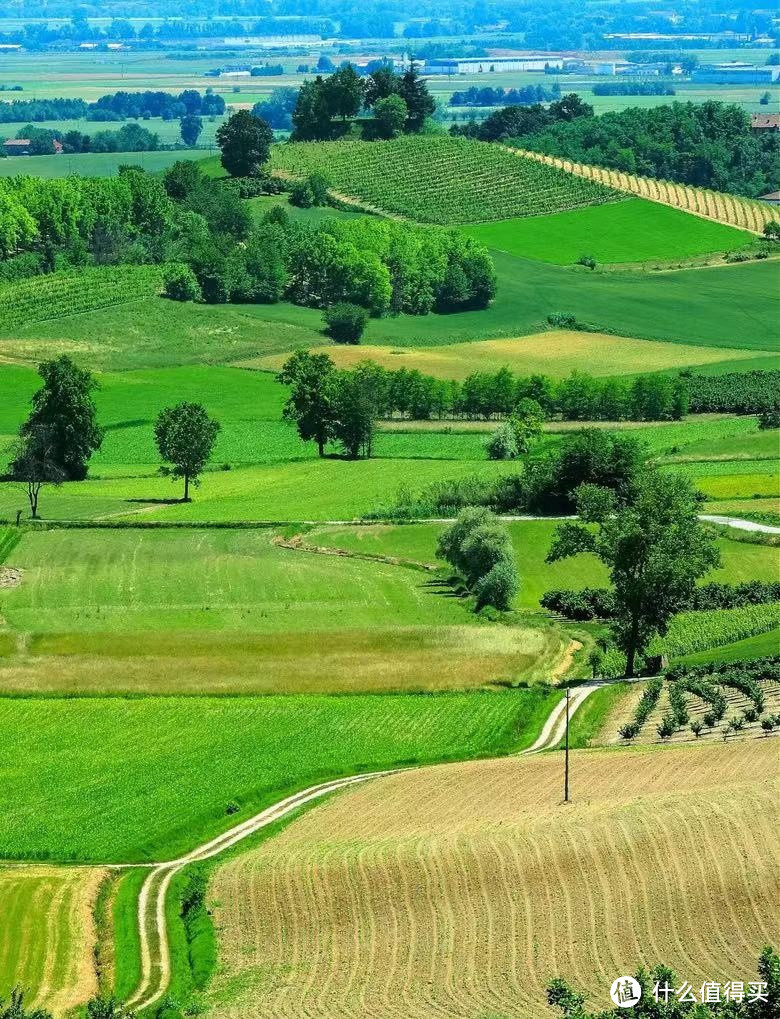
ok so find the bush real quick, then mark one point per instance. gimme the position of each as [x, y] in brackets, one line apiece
[181, 284]
[345, 322]
[563, 320]
[502, 444]
[499, 586]
[588, 261]
[302, 195]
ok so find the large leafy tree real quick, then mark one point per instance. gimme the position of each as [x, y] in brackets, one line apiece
[185, 436]
[311, 404]
[654, 546]
[35, 465]
[63, 410]
[245, 143]
[344, 92]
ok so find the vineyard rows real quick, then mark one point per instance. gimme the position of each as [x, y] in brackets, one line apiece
[441, 180]
[732, 210]
[69, 293]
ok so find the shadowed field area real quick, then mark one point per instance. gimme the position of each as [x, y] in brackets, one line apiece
[471, 886]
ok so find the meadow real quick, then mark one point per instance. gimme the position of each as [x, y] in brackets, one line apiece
[634, 230]
[92, 164]
[48, 933]
[472, 886]
[166, 771]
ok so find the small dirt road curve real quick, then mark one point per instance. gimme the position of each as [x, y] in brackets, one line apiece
[155, 950]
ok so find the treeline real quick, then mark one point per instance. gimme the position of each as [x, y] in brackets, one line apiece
[505, 96]
[633, 88]
[379, 265]
[599, 603]
[706, 145]
[115, 106]
[750, 392]
[516, 121]
[129, 138]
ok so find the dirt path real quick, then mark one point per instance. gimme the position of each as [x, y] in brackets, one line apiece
[155, 949]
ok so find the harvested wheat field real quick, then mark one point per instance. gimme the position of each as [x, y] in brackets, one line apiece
[47, 934]
[557, 352]
[458, 891]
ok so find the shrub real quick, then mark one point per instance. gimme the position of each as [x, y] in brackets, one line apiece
[502, 444]
[181, 284]
[588, 261]
[499, 586]
[696, 728]
[629, 731]
[667, 728]
[302, 195]
[563, 320]
[345, 322]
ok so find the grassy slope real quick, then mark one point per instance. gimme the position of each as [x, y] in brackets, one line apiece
[502, 888]
[164, 769]
[728, 307]
[631, 231]
[127, 942]
[531, 540]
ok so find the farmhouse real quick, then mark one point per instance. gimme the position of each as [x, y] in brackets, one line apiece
[773, 198]
[765, 121]
[22, 147]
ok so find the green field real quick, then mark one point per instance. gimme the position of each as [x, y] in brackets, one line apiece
[147, 778]
[633, 230]
[732, 307]
[92, 164]
[229, 611]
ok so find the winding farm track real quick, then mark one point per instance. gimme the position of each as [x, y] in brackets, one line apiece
[155, 950]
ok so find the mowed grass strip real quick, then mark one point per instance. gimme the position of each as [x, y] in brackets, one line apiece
[147, 778]
[634, 230]
[472, 886]
[47, 934]
[556, 353]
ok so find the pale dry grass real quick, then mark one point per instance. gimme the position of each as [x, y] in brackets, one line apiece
[341, 661]
[48, 934]
[461, 890]
[731, 210]
[556, 353]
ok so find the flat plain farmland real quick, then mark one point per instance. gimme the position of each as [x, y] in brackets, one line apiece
[94, 164]
[47, 934]
[472, 886]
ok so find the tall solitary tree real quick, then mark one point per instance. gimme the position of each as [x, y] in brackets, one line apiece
[311, 404]
[245, 143]
[185, 436]
[63, 410]
[654, 546]
[191, 127]
[419, 102]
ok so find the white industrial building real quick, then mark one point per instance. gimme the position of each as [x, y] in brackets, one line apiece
[492, 65]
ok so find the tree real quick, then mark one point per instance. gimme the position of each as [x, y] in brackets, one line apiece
[191, 127]
[245, 142]
[14, 1008]
[64, 410]
[380, 84]
[419, 102]
[499, 585]
[311, 403]
[343, 92]
[526, 423]
[479, 548]
[185, 437]
[390, 115]
[654, 547]
[346, 322]
[35, 464]
[356, 405]
[502, 444]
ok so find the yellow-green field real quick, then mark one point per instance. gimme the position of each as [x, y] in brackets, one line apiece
[556, 353]
[47, 934]
[461, 890]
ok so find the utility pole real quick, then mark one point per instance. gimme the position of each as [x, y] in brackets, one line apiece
[566, 756]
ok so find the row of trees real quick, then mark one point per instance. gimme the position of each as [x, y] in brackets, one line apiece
[479, 548]
[516, 121]
[398, 102]
[129, 138]
[115, 106]
[61, 433]
[487, 96]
